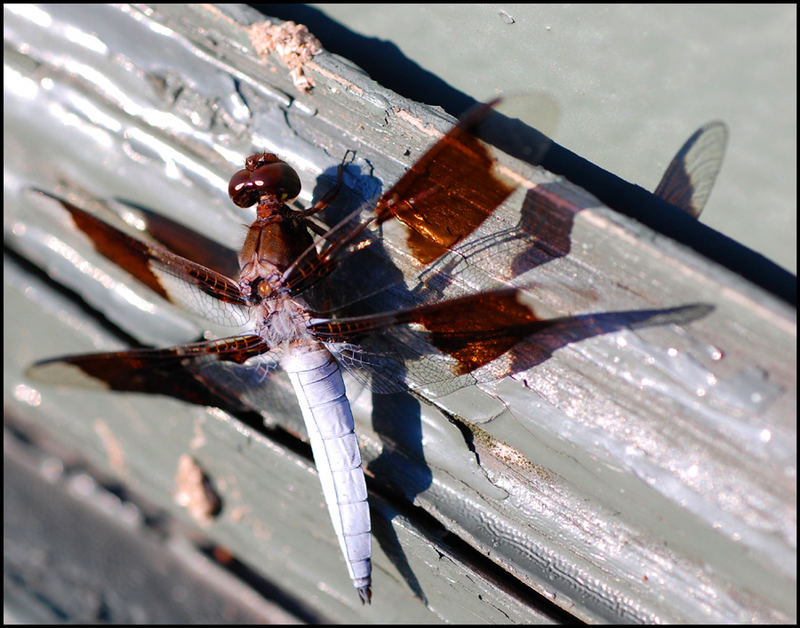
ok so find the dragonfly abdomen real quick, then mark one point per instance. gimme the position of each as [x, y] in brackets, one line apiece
[317, 381]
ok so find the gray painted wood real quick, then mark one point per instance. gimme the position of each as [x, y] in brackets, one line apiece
[640, 475]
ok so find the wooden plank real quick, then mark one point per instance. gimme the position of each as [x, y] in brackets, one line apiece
[628, 469]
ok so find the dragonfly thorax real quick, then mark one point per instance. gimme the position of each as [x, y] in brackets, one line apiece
[283, 320]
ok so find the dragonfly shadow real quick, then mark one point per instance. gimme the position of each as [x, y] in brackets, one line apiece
[557, 333]
[381, 516]
[542, 234]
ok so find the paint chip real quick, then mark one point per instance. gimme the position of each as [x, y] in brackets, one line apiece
[194, 491]
[293, 43]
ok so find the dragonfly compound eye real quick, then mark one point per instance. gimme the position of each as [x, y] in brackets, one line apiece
[262, 178]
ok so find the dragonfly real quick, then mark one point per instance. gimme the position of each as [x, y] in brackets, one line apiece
[276, 296]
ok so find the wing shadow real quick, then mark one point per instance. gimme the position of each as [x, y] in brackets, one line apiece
[557, 333]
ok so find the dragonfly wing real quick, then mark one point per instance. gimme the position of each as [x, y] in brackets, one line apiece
[187, 284]
[181, 372]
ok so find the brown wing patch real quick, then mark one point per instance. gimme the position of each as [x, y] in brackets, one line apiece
[441, 200]
[473, 330]
[148, 263]
[143, 370]
[448, 192]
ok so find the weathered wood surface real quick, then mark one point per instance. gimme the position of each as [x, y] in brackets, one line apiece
[640, 475]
